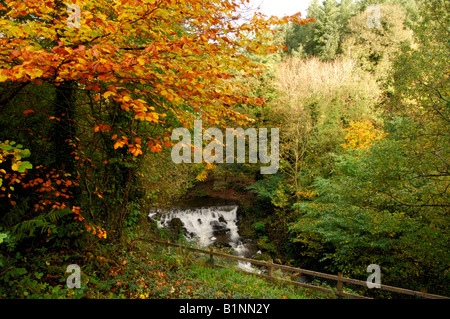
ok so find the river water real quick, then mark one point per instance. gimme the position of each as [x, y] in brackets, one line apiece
[208, 226]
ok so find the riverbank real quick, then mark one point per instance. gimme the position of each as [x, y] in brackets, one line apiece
[137, 269]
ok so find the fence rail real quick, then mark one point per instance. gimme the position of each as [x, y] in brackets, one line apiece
[270, 265]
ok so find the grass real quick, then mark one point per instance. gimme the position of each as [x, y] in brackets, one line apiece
[136, 269]
[188, 276]
[232, 283]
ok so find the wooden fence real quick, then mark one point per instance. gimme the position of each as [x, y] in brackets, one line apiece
[270, 265]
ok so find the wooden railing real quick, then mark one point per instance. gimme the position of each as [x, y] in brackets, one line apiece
[270, 265]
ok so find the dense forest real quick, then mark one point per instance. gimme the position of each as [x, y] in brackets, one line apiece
[360, 95]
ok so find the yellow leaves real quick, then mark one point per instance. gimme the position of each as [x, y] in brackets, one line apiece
[362, 134]
[204, 174]
[35, 73]
[307, 194]
[141, 60]
[108, 94]
[16, 165]
[150, 117]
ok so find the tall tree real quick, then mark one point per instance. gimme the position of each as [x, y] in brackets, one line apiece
[301, 38]
[372, 46]
[323, 38]
[326, 33]
[120, 73]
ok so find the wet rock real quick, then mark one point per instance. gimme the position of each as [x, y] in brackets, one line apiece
[219, 228]
[221, 244]
[176, 225]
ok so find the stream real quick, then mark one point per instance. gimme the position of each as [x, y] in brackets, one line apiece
[208, 226]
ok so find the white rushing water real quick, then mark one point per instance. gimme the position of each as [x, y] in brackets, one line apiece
[208, 226]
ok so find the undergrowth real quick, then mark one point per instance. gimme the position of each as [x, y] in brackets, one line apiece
[135, 269]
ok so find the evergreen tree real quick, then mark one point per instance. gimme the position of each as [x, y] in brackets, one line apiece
[301, 37]
[323, 38]
[326, 32]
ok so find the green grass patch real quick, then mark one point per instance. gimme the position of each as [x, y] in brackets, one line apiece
[232, 283]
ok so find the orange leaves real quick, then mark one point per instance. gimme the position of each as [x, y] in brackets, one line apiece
[135, 149]
[98, 231]
[102, 128]
[155, 147]
[132, 56]
[121, 142]
[52, 188]
[172, 62]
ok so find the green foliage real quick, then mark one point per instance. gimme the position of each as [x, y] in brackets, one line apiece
[373, 48]
[317, 101]
[259, 227]
[338, 24]
[375, 209]
[2, 237]
[45, 223]
[11, 159]
[326, 33]
[267, 187]
[323, 38]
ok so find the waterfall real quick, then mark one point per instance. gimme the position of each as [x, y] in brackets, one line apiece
[208, 226]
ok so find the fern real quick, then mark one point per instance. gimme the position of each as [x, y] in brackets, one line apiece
[44, 223]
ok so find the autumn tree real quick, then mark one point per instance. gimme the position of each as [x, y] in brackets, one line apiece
[98, 84]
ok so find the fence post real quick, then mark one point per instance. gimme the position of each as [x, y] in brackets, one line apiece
[211, 257]
[168, 245]
[270, 268]
[339, 283]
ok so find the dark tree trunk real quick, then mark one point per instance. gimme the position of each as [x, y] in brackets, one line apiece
[64, 130]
